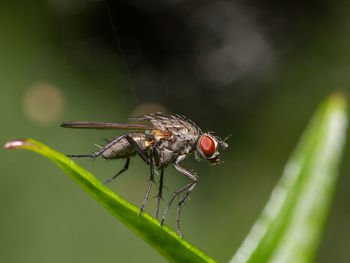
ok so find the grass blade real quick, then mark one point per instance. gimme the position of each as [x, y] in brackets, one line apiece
[167, 242]
[291, 224]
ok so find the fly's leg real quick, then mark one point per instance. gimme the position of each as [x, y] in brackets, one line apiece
[160, 192]
[149, 161]
[126, 166]
[180, 206]
[96, 154]
[141, 153]
[90, 156]
[151, 180]
[172, 199]
[190, 187]
[132, 142]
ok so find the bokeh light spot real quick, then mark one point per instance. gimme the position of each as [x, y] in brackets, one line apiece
[43, 103]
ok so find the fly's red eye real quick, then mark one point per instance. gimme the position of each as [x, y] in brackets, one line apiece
[207, 145]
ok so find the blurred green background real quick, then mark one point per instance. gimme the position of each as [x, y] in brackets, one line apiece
[252, 69]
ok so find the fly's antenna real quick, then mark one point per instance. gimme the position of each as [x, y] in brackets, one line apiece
[119, 45]
[223, 143]
[227, 137]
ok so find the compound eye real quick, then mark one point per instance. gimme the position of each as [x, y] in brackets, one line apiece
[207, 145]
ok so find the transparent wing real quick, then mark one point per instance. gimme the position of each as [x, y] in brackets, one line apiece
[104, 125]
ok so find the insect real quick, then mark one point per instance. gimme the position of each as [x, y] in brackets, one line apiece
[168, 139]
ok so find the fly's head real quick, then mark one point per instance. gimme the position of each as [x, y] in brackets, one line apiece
[208, 146]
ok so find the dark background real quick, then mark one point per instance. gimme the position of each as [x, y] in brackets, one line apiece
[253, 69]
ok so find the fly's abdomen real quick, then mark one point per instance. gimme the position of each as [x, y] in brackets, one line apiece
[123, 148]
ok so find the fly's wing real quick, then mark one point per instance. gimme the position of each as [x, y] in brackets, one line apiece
[175, 124]
[104, 125]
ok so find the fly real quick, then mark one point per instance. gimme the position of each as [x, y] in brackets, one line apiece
[168, 139]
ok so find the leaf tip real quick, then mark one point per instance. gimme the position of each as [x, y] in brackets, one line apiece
[19, 144]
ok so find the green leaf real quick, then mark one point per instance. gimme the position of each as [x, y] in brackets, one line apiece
[290, 226]
[167, 242]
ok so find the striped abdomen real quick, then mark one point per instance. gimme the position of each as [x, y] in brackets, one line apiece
[123, 148]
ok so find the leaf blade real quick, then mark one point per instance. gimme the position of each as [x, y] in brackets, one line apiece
[291, 223]
[167, 242]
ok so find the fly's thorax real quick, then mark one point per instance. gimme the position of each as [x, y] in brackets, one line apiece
[161, 135]
[123, 149]
[164, 156]
[169, 147]
[178, 144]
